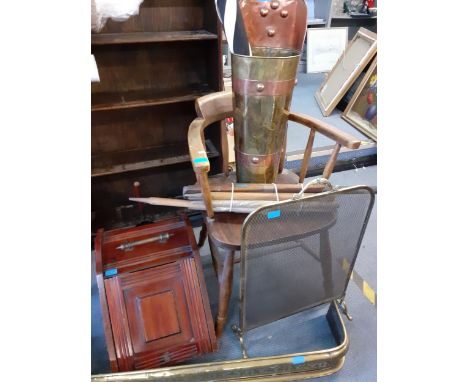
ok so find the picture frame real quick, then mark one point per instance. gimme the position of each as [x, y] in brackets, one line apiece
[351, 63]
[361, 111]
[324, 47]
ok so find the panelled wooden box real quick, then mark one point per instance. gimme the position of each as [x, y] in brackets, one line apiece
[153, 296]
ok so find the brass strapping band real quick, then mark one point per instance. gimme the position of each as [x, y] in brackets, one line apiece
[262, 88]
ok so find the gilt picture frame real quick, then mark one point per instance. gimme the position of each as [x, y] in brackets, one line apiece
[351, 63]
[361, 111]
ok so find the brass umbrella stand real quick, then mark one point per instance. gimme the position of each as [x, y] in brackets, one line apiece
[262, 88]
[263, 84]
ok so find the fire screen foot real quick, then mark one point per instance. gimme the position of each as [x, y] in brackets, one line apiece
[344, 309]
[238, 332]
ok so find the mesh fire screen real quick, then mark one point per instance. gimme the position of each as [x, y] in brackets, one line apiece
[293, 253]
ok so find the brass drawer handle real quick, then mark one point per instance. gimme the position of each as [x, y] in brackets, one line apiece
[162, 238]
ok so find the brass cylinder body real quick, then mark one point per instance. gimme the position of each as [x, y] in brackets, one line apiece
[262, 87]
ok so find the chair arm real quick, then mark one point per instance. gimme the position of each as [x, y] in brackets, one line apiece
[210, 108]
[329, 131]
[215, 106]
[199, 159]
[196, 143]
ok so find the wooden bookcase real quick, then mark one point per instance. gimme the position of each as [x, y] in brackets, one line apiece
[152, 67]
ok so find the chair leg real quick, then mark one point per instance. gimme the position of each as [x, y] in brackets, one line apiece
[214, 258]
[202, 237]
[326, 260]
[225, 289]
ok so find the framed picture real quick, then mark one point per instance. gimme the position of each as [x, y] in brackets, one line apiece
[324, 48]
[361, 111]
[351, 63]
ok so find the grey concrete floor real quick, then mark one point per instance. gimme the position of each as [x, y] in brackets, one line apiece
[304, 102]
[360, 364]
[361, 360]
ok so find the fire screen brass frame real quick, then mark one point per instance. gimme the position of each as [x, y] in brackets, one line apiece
[331, 217]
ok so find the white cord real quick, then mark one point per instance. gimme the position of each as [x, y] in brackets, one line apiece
[232, 197]
[276, 190]
[324, 181]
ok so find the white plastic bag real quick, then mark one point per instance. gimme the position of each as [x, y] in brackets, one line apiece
[117, 10]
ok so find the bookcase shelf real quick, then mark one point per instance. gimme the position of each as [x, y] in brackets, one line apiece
[142, 98]
[148, 37]
[140, 159]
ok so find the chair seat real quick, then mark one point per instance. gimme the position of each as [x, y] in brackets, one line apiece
[225, 229]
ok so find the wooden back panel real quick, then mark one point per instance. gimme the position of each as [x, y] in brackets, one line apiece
[122, 130]
[162, 15]
[175, 67]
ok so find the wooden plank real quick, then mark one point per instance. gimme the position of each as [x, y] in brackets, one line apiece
[146, 37]
[252, 187]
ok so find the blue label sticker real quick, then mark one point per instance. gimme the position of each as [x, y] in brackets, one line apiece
[241, 184]
[274, 214]
[297, 360]
[110, 272]
[200, 160]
